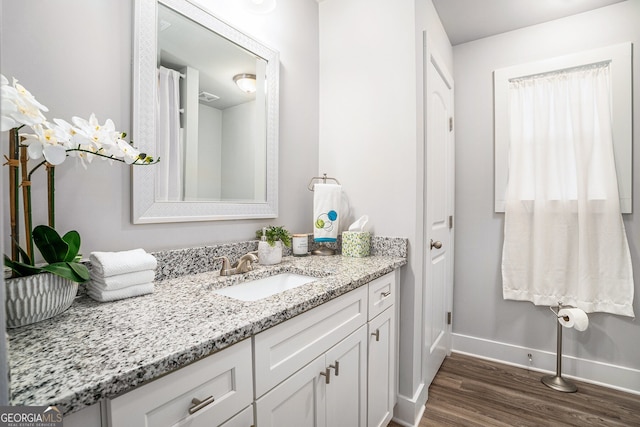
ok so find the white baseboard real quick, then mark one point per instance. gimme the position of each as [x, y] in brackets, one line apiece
[409, 410]
[604, 374]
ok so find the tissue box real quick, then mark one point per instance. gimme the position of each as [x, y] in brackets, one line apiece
[356, 243]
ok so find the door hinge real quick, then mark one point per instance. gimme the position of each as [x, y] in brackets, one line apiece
[450, 124]
[450, 222]
[449, 318]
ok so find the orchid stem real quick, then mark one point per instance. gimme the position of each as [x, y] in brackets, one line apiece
[26, 201]
[51, 172]
[14, 204]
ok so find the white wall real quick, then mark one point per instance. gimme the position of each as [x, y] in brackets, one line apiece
[481, 317]
[210, 150]
[75, 57]
[371, 135]
[239, 151]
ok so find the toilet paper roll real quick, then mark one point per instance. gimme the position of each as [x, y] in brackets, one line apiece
[573, 318]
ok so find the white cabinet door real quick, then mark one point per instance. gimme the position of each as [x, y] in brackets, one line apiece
[347, 388]
[381, 368]
[297, 402]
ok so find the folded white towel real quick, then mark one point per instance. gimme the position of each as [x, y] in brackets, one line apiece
[131, 291]
[119, 281]
[113, 263]
[326, 208]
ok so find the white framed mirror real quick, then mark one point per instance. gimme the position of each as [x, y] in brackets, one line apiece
[217, 140]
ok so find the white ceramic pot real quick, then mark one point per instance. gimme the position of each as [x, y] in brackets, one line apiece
[269, 255]
[34, 298]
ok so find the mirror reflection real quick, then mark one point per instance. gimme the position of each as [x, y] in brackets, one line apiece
[205, 100]
[211, 115]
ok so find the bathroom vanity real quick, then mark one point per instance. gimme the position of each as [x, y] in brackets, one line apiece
[186, 354]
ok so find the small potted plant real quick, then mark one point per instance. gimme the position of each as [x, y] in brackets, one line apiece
[272, 239]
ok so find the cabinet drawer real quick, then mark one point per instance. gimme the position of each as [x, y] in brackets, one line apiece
[224, 377]
[287, 347]
[382, 294]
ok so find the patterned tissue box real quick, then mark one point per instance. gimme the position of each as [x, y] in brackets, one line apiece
[356, 243]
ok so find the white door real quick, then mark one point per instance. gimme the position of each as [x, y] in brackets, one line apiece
[439, 188]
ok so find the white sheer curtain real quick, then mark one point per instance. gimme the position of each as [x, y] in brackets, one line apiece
[169, 182]
[564, 239]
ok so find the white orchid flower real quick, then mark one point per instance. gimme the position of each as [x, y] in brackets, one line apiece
[129, 154]
[45, 143]
[102, 139]
[93, 133]
[19, 106]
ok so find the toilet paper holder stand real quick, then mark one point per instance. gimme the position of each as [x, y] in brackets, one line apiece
[557, 382]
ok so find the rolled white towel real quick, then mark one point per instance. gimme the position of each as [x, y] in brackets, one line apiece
[113, 263]
[119, 281]
[131, 291]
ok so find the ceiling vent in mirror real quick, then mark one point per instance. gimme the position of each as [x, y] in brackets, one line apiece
[207, 97]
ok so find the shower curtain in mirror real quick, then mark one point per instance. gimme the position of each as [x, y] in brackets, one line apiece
[564, 238]
[168, 134]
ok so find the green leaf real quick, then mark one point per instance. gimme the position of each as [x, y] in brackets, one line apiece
[24, 255]
[64, 270]
[80, 269]
[50, 244]
[20, 268]
[72, 238]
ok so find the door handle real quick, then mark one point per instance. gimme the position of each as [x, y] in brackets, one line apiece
[437, 244]
[327, 375]
[336, 367]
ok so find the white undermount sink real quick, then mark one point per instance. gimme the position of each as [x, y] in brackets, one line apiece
[262, 288]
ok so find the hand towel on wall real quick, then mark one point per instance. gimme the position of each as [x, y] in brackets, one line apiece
[113, 263]
[326, 212]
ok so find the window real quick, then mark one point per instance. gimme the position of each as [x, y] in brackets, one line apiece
[619, 58]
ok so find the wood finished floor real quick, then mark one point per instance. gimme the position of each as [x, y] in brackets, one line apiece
[472, 392]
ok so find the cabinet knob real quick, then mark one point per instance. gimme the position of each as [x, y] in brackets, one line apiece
[376, 334]
[385, 294]
[437, 244]
[327, 375]
[336, 366]
[199, 404]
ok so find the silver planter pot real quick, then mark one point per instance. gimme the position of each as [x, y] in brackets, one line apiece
[34, 298]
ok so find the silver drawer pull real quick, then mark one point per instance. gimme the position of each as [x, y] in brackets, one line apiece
[385, 294]
[376, 334]
[327, 375]
[199, 404]
[336, 366]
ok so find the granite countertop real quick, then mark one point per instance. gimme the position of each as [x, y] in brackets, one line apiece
[100, 350]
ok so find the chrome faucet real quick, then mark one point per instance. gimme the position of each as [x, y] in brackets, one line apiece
[245, 263]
